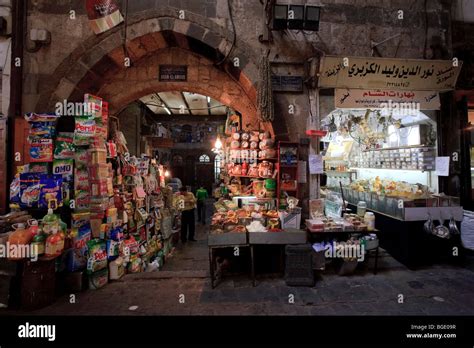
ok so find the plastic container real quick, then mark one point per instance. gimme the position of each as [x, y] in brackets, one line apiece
[33, 227]
[50, 222]
[54, 244]
[21, 236]
[369, 220]
[116, 269]
[361, 208]
[38, 244]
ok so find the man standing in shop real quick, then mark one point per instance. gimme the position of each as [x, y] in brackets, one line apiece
[201, 195]
[188, 222]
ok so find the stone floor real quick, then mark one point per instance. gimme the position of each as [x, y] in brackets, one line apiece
[183, 288]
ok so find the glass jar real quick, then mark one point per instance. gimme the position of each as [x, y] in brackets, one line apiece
[361, 208]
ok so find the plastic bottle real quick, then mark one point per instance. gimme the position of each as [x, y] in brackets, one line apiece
[54, 244]
[33, 227]
[39, 244]
[369, 219]
[21, 236]
[50, 222]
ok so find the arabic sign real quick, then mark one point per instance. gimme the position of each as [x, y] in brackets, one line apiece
[103, 15]
[287, 83]
[385, 73]
[376, 98]
[173, 73]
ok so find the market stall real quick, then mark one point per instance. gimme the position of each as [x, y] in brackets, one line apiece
[85, 209]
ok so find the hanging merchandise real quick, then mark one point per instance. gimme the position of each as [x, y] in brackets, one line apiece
[103, 15]
[265, 92]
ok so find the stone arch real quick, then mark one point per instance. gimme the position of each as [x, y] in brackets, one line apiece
[94, 64]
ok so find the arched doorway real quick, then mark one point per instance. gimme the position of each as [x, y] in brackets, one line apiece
[122, 73]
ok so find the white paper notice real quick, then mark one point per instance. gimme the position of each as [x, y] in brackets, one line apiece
[442, 166]
[316, 165]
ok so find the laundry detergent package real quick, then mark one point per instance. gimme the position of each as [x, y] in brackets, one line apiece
[97, 255]
[41, 150]
[64, 146]
[81, 179]
[51, 195]
[42, 130]
[15, 190]
[81, 157]
[40, 168]
[82, 199]
[81, 235]
[34, 117]
[29, 190]
[84, 130]
[63, 167]
[112, 249]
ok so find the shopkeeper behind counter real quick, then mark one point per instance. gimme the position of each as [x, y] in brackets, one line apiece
[187, 215]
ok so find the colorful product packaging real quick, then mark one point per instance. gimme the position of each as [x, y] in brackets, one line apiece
[84, 130]
[29, 190]
[97, 156]
[41, 150]
[99, 279]
[41, 130]
[80, 157]
[97, 255]
[34, 117]
[81, 179]
[64, 146]
[50, 191]
[63, 167]
[81, 230]
[40, 168]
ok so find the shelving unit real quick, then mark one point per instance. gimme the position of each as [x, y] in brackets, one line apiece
[288, 156]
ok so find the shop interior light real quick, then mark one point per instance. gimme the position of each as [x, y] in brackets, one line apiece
[167, 110]
[218, 144]
[167, 173]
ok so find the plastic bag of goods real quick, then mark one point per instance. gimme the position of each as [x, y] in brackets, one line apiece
[467, 230]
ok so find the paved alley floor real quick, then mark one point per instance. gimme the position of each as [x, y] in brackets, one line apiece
[183, 288]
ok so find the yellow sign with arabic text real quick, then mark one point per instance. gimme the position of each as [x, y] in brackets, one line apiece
[388, 73]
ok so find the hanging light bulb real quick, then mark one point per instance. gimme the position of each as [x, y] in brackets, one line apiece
[218, 144]
[167, 173]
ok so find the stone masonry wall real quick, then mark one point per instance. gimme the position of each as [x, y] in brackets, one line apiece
[347, 29]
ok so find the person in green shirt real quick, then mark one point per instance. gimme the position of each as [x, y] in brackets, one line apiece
[201, 196]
